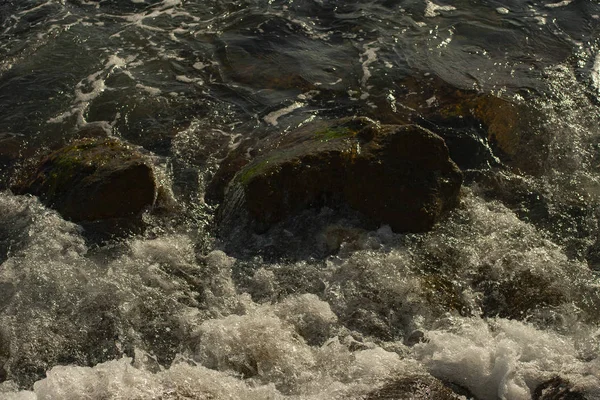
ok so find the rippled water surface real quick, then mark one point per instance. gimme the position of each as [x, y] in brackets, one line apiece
[502, 296]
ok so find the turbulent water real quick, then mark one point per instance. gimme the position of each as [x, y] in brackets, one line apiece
[503, 295]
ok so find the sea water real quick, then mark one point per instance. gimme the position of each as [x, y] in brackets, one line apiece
[502, 295]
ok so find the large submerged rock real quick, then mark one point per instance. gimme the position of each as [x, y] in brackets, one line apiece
[399, 175]
[94, 179]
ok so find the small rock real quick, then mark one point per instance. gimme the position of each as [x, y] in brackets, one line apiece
[94, 179]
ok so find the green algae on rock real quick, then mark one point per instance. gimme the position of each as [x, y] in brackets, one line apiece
[399, 175]
[94, 179]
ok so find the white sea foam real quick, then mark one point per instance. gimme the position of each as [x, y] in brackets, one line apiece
[559, 4]
[366, 59]
[297, 347]
[432, 9]
[595, 73]
[35, 8]
[187, 79]
[200, 65]
[149, 89]
[272, 117]
[90, 88]
[265, 348]
[505, 359]
[119, 379]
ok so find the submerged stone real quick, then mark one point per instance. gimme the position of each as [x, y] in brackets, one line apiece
[94, 179]
[400, 175]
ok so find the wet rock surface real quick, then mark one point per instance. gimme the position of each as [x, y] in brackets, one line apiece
[399, 175]
[94, 179]
[481, 130]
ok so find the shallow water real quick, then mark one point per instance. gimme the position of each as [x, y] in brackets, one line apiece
[500, 297]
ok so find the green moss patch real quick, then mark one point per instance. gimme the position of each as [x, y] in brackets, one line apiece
[254, 169]
[69, 164]
[335, 132]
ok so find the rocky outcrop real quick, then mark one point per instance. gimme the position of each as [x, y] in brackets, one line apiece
[94, 179]
[399, 175]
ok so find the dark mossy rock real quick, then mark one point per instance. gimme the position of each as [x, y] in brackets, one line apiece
[19, 153]
[414, 388]
[94, 179]
[557, 388]
[393, 174]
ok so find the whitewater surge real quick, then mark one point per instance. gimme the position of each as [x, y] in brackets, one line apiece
[208, 337]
